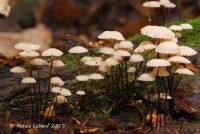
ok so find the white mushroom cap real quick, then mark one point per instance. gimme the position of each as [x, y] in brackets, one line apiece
[175, 40]
[139, 49]
[136, 58]
[18, 69]
[56, 90]
[184, 71]
[131, 70]
[186, 51]
[59, 99]
[167, 47]
[106, 50]
[38, 62]
[65, 92]
[103, 67]
[170, 5]
[52, 52]
[96, 61]
[125, 45]
[186, 26]
[113, 35]
[158, 63]
[146, 77]
[151, 4]
[28, 80]
[29, 54]
[78, 49]
[122, 53]
[163, 96]
[118, 58]
[164, 2]
[82, 78]
[147, 45]
[175, 28]
[159, 32]
[57, 63]
[86, 58]
[81, 93]
[57, 81]
[162, 72]
[96, 76]
[27, 46]
[179, 59]
[111, 62]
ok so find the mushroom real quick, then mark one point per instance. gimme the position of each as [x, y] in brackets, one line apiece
[59, 99]
[29, 54]
[135, 58]
[106, 50]
[82, 78]
[146, 77]
[186, 51]
[65, 92]
[158, 32]
[78, 50]
[184, 71]
[111, 62]
[175, 28]
[124, 45]
[28, 80]
[18, 69]
[158, 63]
[122, 53]
[179, 59]
[186, 26]
[56, 90]
[52, 52]
[57, 63]
[38, 62]
[111, 35]
[131, 70]
[151, 4]
[167, 47]
[27, 46]
[96, 76]
[57, 81]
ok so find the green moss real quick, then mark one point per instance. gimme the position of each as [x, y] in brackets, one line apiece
[190, 37]
[70, 61]
[138, 38]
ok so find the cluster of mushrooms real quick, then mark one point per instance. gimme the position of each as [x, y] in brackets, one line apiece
[122, 68]
[125, 68]
[31, 76]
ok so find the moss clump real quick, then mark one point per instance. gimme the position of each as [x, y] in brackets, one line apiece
[190, 37]
[138, 38]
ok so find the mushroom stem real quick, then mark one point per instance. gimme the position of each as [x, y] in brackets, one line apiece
[49, 83]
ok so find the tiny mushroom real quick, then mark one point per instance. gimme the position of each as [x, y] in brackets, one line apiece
[29, 54]
[56, 90]
[179, 59]
[28, 80]
[184, 71]
[146, 77]
[158, 63]
[38, 62]
[78, 50]
[111, 35]
[106, 50]
[57, 81]
[135, 58]
[27, 46]
[80, 93]
[52, 52]
[59, 99]
[96, 76]
[18, 69]
[82, 78]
